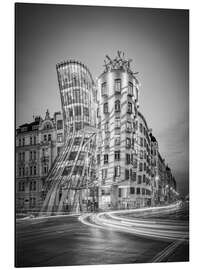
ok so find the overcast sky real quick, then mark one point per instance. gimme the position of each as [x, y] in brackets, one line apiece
[157, 41]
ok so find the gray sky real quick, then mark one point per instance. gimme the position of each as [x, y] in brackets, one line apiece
[157, 41]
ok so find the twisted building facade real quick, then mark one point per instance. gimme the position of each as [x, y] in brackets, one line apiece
[110, 158]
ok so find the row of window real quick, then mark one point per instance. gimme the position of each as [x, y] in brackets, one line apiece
[32, 170]
[138, 191]
[117, 87]
[117, 107]
[32, 186]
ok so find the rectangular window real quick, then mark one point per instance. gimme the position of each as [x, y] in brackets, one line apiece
[106, 159]
[141, 127]
[35, 140]
[35, 170]
[78, 126]
[104, 89]
[106, 126]
[127, 160]
[133, 176]
[141, 141]
[144, 178]
[30, 155]
[119, 192]
[77, 110]
[138, 191]
[59, 137]
[117, 85]
[128, 126]
[117, 140]
[35, 155]
[117, 106]
[132, 190]
[139, 179]
[98, 159]
[143, 191]
[129, 107]
[128, 143]
[86, 111]
[105, 108]
[19, 142]
[70, 112]
[23, 141]
[117, 171]
[127, 174]
[140, 167]
[45, 137]
[59, 124]
[130, 89]
[30, 170]
[49, 137]
[117, 122]
[117, 155]
[104, 173]
[31, 140]
[23, 156]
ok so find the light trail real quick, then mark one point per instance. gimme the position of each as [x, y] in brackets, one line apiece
[166, 230]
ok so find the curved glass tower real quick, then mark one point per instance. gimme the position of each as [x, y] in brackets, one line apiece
[73, 172]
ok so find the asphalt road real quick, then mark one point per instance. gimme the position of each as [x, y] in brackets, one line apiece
[61, 241]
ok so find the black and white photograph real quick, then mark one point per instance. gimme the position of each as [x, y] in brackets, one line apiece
[101, 135]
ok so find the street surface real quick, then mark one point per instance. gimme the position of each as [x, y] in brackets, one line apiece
[110, 238]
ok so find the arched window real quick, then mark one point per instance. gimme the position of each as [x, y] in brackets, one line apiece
[117, 106]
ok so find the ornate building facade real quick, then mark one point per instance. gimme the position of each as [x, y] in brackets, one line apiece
[37, 145]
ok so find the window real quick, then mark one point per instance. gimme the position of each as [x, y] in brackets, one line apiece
[105, 108]
[35, 170]
[23, 141]
[104, 89]
[133, 176]
[106, 126]
[130, 89]
[86, 111]
[138, 191]
[78, 126]
[45, 169]
[104, 173]
[118, 85]
[34, 139]
[106, 159]
[117, 140]
[145, 166]
[128, 126]
[21, 186]
[140, 167]
[117, 171]
[143, 191]
[76, 96]
[35, 155]
[23, 156]
[127, 174]
[30, 140]
[139, 179]
[77, 110]
[30, 155]
[49, 137]
[141, 154]
[117, 106]
[23, 171]
[70, 112]
[129, 107]
[119, 192]
[19, 142]
[117, 122]
[132, 190]
[117, 155]
[45, 137]
[141, 127]
[144, 178]
[30, 170]
[59, 124]
[19, 171]
[127, 160]
[98, 159]
[141, 141]
[59, 137]
[128, 142]
[77, 140]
